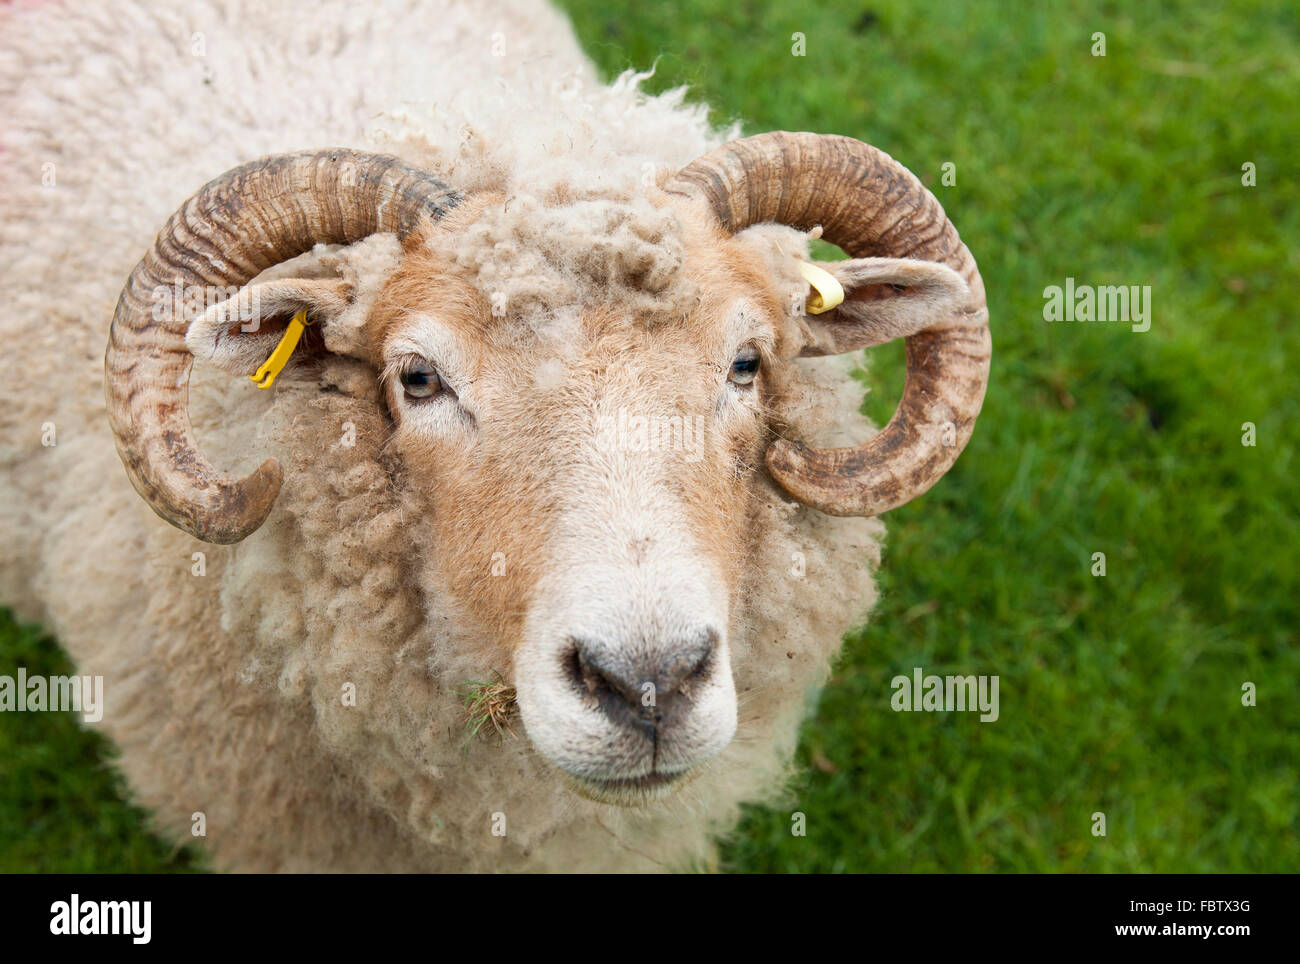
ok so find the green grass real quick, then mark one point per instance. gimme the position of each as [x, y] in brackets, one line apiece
[62, 803]
[1119, 694]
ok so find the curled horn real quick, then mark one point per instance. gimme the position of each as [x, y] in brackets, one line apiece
[871, 206]
[248, 219]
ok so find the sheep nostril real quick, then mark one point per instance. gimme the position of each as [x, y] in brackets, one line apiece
[594, 684]
[599, 676]
[576, 673]
[689, 664]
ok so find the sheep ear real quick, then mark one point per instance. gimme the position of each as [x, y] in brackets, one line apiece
[884, 299]
[239, 334]
[338, 291]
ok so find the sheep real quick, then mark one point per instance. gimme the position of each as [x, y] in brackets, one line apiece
[507, 275]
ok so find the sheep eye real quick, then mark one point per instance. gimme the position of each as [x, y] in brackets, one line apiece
[421, 380]
[745, 366]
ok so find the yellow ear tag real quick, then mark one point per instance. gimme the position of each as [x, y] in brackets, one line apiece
[280, 357]
[827, 293]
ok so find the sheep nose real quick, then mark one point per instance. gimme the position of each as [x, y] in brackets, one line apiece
[648, 686]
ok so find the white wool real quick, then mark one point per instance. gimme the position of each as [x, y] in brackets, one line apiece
[530, 256]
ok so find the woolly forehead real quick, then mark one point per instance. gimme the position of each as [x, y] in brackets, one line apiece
[526, 275]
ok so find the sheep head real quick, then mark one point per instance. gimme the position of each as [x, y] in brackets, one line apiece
[587, 394]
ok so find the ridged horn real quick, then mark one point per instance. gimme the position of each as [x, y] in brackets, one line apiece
[246, 220]
[871, 206]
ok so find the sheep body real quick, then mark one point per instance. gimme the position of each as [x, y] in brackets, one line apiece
[223, 690]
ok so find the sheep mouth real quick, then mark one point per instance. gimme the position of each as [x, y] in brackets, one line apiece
[630, 791]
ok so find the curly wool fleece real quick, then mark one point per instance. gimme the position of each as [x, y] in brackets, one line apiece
[224, 666]
[533, 258]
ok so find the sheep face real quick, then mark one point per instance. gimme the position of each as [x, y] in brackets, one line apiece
[580, 397]
[581, 427]
[585, 428]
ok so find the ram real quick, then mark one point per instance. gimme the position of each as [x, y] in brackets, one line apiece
[555, 437]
